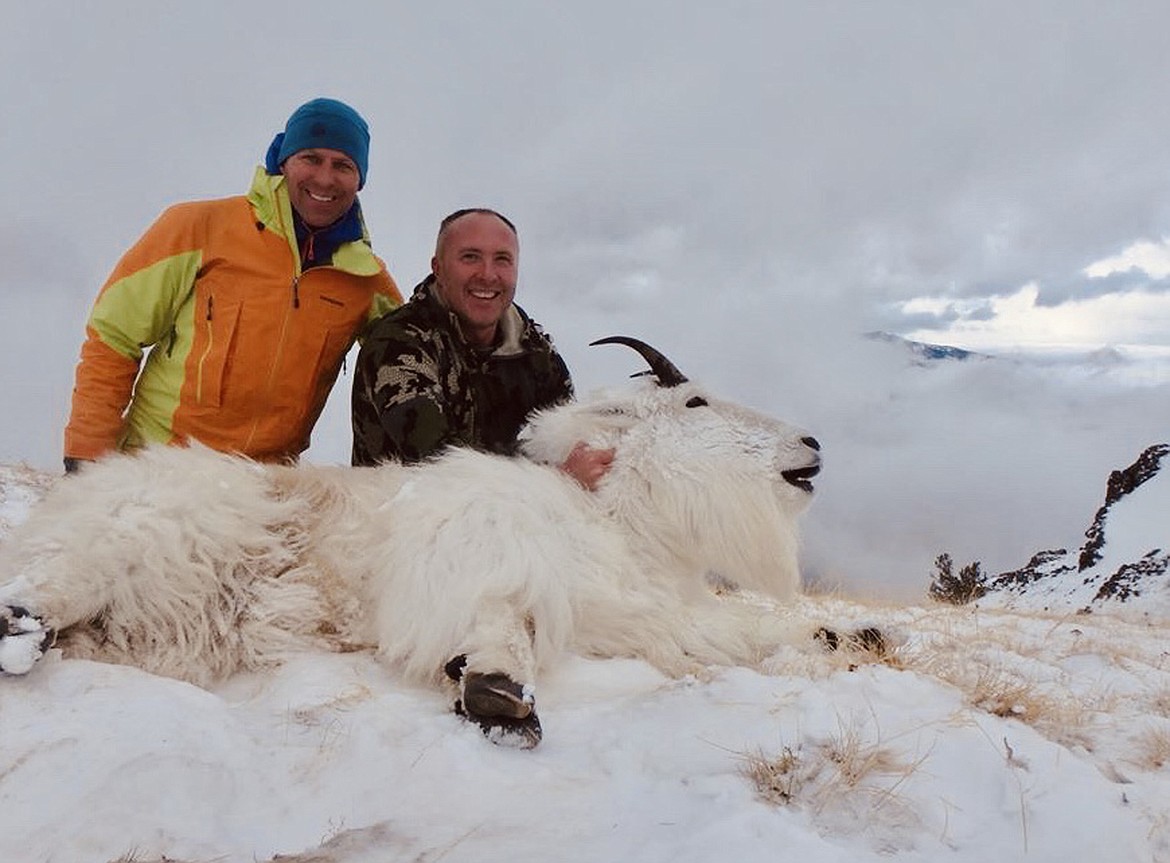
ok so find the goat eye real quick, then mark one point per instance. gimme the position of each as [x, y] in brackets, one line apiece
[696, 402]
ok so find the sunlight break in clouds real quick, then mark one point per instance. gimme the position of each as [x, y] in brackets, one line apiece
[1151, 258]
[1136, 318]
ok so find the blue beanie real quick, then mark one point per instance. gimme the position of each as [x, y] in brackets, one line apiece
[322, 123]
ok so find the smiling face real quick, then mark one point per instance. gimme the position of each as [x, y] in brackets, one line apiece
[322, 184]
[475, 266]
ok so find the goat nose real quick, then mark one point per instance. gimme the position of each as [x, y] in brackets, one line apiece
[811, 443]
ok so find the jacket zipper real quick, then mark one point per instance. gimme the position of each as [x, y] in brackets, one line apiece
[206, 351]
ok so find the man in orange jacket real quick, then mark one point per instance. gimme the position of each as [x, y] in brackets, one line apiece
[248, 306]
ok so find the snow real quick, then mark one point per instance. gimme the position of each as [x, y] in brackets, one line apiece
[989, 734]
[1137, 534]
[1128, 526]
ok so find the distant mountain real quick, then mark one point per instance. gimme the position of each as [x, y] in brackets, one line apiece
[1129, 366]
[924, 351]
[1123, 563]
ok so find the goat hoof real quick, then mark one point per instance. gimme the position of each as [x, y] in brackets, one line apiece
[24, 638]
[495, 694]
[454, 667]
[501, 707]
[828, 637]
[868, 638]
[523, 733]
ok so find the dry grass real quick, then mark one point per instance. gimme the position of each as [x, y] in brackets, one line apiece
[829, 770]
[847, 784]
[777, 779]
[1013, 668]
[1159, 703]
[1007, 695]
[132, 857]
[347, 699]
[856, 760]
[1060, 715]
[1152, 749]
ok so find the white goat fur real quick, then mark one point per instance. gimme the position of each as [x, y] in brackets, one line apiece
[193, 564]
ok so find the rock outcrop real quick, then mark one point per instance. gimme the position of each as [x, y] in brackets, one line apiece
[1123, 563]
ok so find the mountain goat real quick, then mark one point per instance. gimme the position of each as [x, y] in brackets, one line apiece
[472, 568]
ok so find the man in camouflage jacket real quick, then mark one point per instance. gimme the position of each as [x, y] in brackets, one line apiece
[460, 364]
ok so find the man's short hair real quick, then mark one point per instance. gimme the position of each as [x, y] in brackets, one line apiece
[467, 211]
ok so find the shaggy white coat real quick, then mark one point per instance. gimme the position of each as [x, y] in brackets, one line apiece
[194, 564]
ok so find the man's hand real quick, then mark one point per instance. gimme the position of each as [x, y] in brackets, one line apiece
[73, 465]
[588, 465]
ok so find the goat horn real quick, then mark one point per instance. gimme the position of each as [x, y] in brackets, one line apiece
[667, 372]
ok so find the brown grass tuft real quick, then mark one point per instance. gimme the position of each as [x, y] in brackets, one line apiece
[1152, 749]
[778, 779]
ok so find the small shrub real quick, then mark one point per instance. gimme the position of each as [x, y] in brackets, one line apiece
[968, 585]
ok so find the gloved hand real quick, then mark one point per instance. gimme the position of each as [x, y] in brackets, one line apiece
[73, 465]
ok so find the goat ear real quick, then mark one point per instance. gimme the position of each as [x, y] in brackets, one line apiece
[613, 410]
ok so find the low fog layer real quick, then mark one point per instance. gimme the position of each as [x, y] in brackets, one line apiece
[750, 189]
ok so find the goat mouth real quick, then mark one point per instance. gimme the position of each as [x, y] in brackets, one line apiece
[800, 477]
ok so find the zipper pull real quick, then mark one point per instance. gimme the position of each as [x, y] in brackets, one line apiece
[209, 300]
[296, 292]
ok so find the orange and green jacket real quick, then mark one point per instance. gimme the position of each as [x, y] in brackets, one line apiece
[244, 345]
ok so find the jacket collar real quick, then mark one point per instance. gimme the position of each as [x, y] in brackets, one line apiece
[270, 203]
[510, 333]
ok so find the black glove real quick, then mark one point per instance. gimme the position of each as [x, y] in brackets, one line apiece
[73, 465]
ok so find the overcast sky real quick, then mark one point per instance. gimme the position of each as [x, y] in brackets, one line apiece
[747, 186]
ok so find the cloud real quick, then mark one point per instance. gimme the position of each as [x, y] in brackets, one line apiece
[1021, 322]
[749, 188]
[1147, 257]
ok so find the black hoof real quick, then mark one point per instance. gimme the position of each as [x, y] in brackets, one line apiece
[23, 639]
[523, 733]
[828, 638]
[869, 638]
[497, 704]
[454, 667]
[495, 694]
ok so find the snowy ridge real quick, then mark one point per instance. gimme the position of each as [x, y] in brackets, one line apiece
[1123, 565]
[1128, 366]
[925, 352]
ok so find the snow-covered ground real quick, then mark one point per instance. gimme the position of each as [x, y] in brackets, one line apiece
[987, 735]
[1120, 563]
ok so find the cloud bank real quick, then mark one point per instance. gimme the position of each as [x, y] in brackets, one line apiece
[748, 188]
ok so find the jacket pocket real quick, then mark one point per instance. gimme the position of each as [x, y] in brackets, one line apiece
[335, 344]
[221, 324]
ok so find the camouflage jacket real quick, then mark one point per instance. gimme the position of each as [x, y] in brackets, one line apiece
[419, 387]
